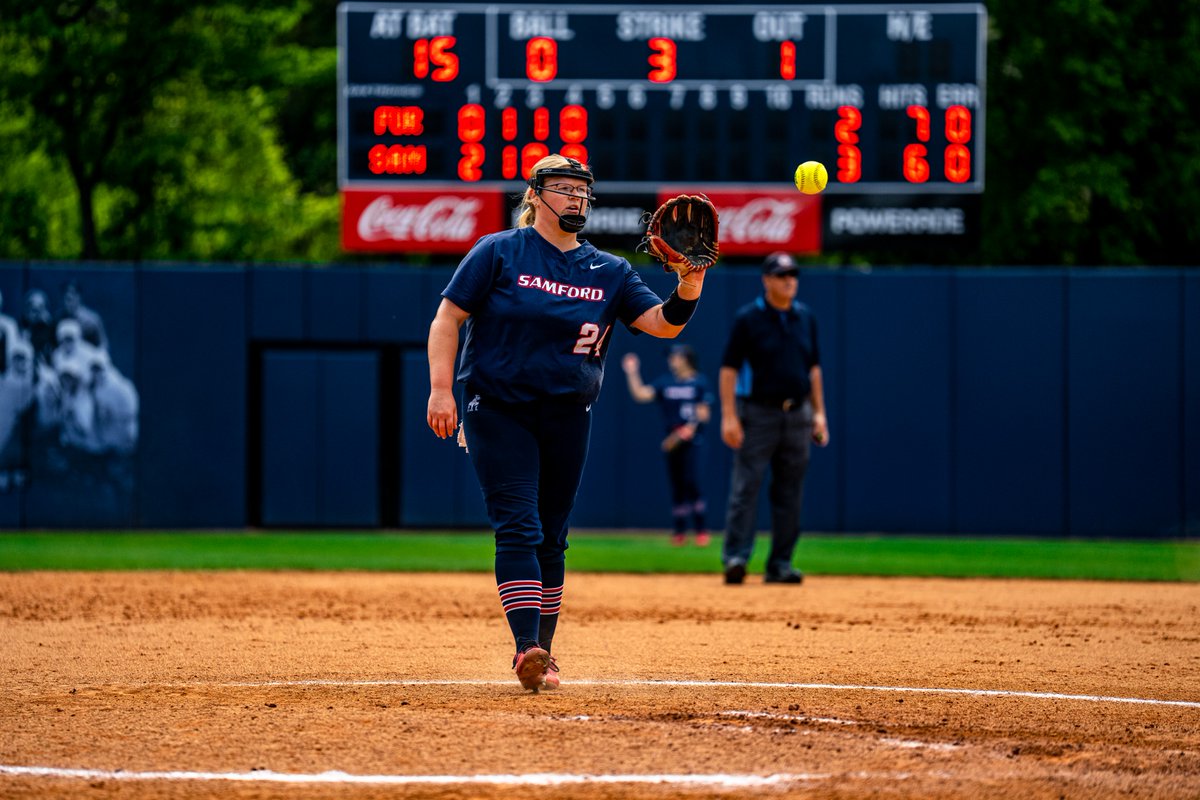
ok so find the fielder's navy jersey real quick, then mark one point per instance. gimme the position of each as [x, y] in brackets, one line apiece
[678, 398]
[541, 319]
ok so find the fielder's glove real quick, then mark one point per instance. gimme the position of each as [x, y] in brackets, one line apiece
[682, 234]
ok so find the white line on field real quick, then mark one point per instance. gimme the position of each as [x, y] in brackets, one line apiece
[835, 687]
[335, 777]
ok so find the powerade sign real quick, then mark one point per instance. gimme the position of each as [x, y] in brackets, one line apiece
[901, 222]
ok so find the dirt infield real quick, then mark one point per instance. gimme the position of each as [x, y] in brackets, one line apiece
[303, 685]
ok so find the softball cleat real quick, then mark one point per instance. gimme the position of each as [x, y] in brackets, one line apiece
[551, 678]
[531, 667]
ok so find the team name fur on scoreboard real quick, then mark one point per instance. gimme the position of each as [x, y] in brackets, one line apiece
[593, 293]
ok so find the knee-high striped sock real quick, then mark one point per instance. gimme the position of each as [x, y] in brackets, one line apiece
[551, 605]
[518, 580]
[553, 578]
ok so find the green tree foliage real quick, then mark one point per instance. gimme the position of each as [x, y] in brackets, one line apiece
[1093, 151]
[162, 114]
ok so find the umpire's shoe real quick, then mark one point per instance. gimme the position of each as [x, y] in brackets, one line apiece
[735, 571]
[788, 575]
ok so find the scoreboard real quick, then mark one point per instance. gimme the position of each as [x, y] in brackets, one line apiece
[440, 98]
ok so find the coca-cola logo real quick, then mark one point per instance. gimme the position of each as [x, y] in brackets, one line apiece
[442, 219]
[760, 220]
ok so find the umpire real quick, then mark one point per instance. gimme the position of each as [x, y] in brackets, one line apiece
[772, 407]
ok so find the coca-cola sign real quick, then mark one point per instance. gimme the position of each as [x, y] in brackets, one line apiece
[419, 221]
[757, 223]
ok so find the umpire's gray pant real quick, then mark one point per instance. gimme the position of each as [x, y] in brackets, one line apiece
[779, 439]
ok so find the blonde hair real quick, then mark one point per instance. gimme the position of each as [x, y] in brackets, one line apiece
[526, 212]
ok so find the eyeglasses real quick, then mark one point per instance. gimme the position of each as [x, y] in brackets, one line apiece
[570, 191]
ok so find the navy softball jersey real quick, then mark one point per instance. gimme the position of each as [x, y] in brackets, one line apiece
[541, 319]
[678, 398]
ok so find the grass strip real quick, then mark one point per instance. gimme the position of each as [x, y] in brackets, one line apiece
[597, 551]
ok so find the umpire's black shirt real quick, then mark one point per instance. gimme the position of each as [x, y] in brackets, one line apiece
[773, 351]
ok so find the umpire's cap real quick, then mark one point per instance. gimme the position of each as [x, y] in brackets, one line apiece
[780, 263]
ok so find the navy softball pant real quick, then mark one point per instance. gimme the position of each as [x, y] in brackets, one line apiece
[529, 460]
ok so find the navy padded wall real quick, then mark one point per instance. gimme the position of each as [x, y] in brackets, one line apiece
[1191, 403]
[438, 482]
[1009, 393]
[1124, 403]
[336, 305]
[278, 306]
[291, 419]
[349, 439]
[823, 510]
[397, 304]
[192, 378]
[897, 430]
[320, 438]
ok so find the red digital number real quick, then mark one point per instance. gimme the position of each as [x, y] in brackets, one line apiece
[508, 162]
[471, 161]
[399, 120]
[663, 60]
[398, 159]
[435, 52]
[541, 124]
[849, 161]
[958, 163]
[541, 59]
[916, 168]
[787, 60]
[958, 124]
[421, 58]
[508, 124]
[921, 115]
[530, 155]
[573, 124]
[471, 123]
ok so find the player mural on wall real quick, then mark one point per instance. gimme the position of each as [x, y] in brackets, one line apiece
[68, 416]
[538, 305]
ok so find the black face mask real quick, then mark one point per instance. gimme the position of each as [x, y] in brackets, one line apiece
[573, 223]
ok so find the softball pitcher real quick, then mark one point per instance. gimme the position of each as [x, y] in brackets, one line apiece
[539, 305]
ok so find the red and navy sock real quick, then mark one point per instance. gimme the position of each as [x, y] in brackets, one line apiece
[553, 578]
[698, 522]
[519, 582]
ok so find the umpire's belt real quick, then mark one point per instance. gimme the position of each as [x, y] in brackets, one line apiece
[786, 404]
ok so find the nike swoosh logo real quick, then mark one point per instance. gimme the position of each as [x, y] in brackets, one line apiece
[596, 266]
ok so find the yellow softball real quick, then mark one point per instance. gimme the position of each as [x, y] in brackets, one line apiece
[811, 177]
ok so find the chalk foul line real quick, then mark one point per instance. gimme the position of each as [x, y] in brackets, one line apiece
[336, 777]
[840, 687]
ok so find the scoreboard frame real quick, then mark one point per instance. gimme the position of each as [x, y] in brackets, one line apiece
[591, 71]
[440, 97]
